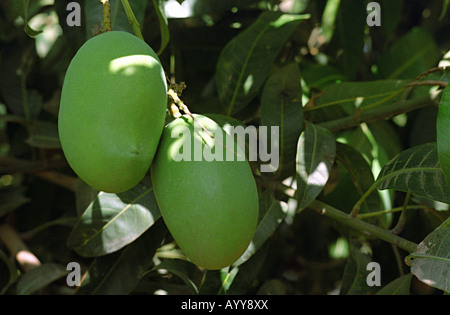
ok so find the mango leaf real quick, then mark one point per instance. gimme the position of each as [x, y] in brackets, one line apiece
[246, 60]
[198, 8]
[119, 273]
[443, 133]
[163, 24]
[281, 107]
[342, 99]
[430, 263]
[181, 268]
[119, 21]
[44, 134]
[316, 151]
[8, 272]
[14, 71]
[320, 76]
[354, 279]
[348, 37]
[360, 173]
[416, 170]
[20, 7]
[399, 286]
[391, 14]
[270, 217]
[112, 221]
[39, 277]
[412, 54]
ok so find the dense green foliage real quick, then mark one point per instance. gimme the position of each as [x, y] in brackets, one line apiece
[363, 175]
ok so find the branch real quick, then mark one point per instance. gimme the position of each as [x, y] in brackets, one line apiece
[381, 112]
[18, 248]
[363, 227]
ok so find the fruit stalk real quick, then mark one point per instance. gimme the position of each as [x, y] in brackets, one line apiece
[106, 16]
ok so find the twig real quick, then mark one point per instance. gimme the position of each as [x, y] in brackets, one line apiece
[363, 227]
[17, 248]
[402, 220]
[132, 19]
[383, 112]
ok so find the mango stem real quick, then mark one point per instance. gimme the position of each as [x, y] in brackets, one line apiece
[106, 16]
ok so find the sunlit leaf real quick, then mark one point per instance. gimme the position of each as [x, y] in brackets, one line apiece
[343, 99]
[20, 7]
[281, 107]
[416, 170]
[112, 221]
[246, 60]
[316, 151]
[443, 133]
[431, 261]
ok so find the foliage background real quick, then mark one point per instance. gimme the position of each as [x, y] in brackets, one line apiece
[325, 43]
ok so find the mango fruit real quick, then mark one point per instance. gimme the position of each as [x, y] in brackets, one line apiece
[112, 111]
[207, 196]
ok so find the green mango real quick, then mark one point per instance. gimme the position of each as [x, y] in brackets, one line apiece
[112, 111]
[205, 190]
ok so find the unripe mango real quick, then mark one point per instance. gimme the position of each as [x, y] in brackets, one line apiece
[112, 111]
[210, 205]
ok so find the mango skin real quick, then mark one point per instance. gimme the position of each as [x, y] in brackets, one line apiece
[211, 208]
[112, 111]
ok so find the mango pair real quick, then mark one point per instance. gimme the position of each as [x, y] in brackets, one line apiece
[111, 127]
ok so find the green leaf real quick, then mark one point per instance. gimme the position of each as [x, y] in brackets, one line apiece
[44, 134]
[181, 268]
[343, 99]
[391, 14]
[412, 54]
[163, 24]
[320, 76]
[416, 170]
[281, 106]
[360, 173]
[246, 60]
[354, 279]
[316, 151]
[431, 260]
[349, 35]
[112, 221]
[20, 7]
[39, 277]
[270, 217]
[119, 273]
[443, 133]
[8, 272]
[399, 286]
